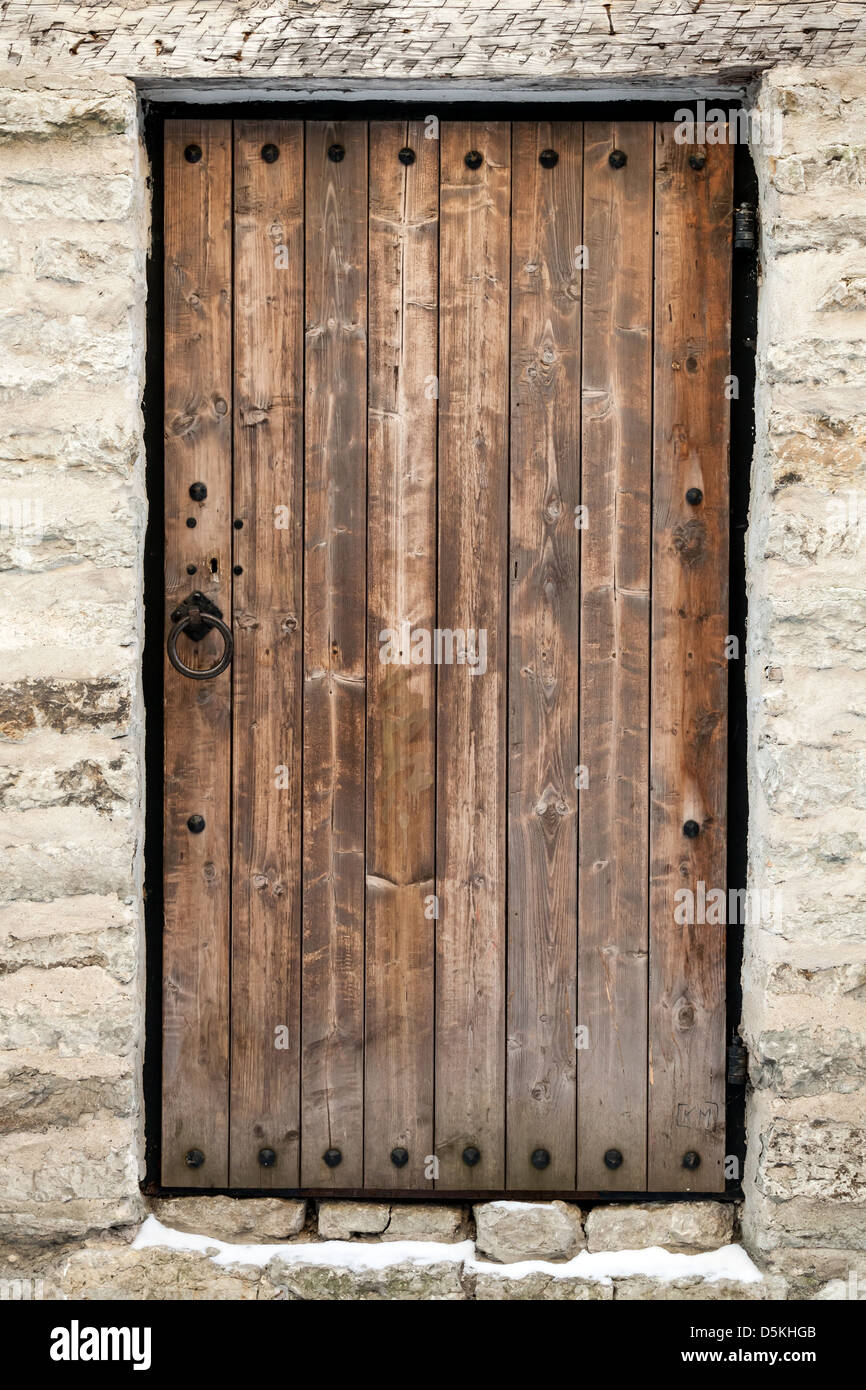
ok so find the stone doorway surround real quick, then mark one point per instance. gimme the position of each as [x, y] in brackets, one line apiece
[74, 234]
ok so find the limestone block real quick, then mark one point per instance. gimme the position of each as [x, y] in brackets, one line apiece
[71, 1180]
[808, 1061]
[46, 113]
[72, 1011]
[342, 1220]
[120, 1274]
[95, 859]
[677, 1226]
[819, 1158]
[402, 1281]
[103, 704]
[86, 930]
[514, 1231]
[501, 1288]
[803, 1223]
[425, 1221]
[82, 261]
[52, 196]
[42, 1091]
[637, 1287]
[105, 779]
[238, 1220]
[847, 980]
[102, 440]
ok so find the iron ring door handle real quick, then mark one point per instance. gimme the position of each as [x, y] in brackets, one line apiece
[193, 619]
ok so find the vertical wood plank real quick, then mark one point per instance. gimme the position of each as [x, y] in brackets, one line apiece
[334, 654]
[401, 728]
[543, 654]
[475, 249]
[689, 676]
[615, 633]
[268, 541]
[197, 867]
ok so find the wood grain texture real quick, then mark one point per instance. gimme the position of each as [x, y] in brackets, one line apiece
[614, 660]
[197, 867]
[689, 676]
[268, 673]
[575, 323]
[543, 653]
[401, 720]
[475, 248]
[334, 654]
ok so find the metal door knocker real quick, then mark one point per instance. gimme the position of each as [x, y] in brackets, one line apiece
[196, 616]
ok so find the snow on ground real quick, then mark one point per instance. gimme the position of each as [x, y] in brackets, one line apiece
[339, 1254]
[729, 1262]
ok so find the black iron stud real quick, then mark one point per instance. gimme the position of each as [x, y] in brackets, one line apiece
[471, 1156]
[195, 824]
[613, 1159]
[198, 491]
[474, 159]
[617, 159]
[239, 525]
[691, 830]
[406, 156]
[192, 154]
[336, 153]
[191, 569]
[270, 154]
[540, 1158]
[548, 159]
[399, 1157]
[697, 161]
[333, 1158]
[191, 522]
[691, 1160]
[267, 1158]
[694, 497]
[193, 1158]
[237, 569]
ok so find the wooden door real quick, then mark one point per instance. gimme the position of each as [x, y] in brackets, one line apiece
[446, 464]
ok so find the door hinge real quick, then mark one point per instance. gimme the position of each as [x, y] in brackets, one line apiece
[738, 1063]
[745, 227]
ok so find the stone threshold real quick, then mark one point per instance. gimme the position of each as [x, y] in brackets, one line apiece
[163, 1263]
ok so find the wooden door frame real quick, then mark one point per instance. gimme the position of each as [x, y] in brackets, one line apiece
[743, 333]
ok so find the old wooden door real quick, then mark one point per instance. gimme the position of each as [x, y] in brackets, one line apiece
[446, 455]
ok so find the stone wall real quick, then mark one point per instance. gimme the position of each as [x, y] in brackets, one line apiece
[73, 240]
[73, 236]
[805, 973]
